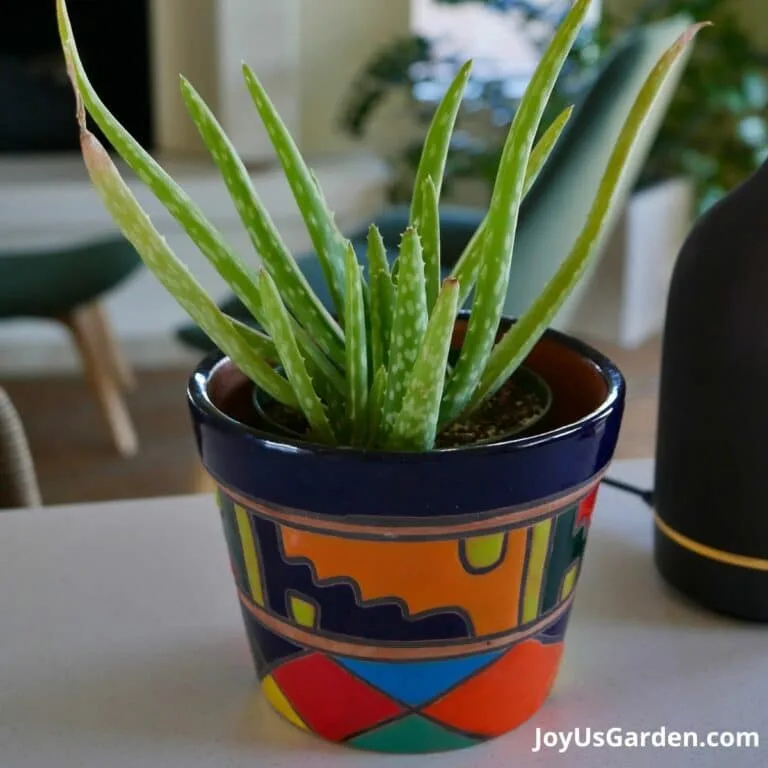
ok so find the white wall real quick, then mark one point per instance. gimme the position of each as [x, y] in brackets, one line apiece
[306, 52]
[337, 39]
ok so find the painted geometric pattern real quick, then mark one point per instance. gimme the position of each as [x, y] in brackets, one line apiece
[407, 643]
[418, 706]
[406, 591]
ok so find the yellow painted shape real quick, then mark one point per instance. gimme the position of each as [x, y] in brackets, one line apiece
[537, 560]
[279, 703]
[569, 582]
[303, 612]
[485, 552]
[421, 575]
[251, 558]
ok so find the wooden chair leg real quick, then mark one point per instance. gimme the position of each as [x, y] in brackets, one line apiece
[105, 386]
[203, 482]
[109, 348]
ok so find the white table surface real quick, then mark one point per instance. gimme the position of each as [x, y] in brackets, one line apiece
[121, 645]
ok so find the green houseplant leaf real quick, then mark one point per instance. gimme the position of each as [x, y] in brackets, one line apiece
[466, 268]
[510, 352]
[280, 329]
[408, 323]
[435, 151]
[430, 238]
[382, 298]
[328, 242]
[210, 242]
[498, 240]
[357, 350]
[380, 377]
[138, 229]
[415, 427]
[265, 236]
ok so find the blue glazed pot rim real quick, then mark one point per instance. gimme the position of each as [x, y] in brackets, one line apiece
[206, 411]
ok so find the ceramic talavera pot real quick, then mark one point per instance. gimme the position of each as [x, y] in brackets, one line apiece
[410, 602]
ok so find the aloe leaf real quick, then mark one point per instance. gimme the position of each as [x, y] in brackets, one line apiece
[382, 298]
[327, 240]
[376, 406]
[281, 331]
[408, 324]
[327, 378]
[437, 143]
[357, 355]
[517, 343]
[184, 210]
[466, 268]
[258, 341]
[499, 237]
[294, 288]
[430, 239]
[415, 428]
[382, 313]
[368, 326]
[138, 229]
[320, 367]
[395, 271]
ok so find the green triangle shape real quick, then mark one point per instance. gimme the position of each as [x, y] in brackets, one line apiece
[411, 735]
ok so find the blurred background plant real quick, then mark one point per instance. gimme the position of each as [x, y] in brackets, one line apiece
[715, 132]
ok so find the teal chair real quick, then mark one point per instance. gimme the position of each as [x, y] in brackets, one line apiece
[66, 286]
[556, 207]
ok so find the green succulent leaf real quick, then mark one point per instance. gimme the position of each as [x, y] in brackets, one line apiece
[260, 342]
[517, 343]
[138, 229]
[499, 237]
[294, 288]
[184, 210]
[376, 406]
[430, 239]
[382, 298]
[328, 381]
[415, 428]
[368, 325]
[281, 331]
[381, 376]
[437, 143]
[357, 354]
[408, 324]
[327, 378]
[468, 265]
[327, 240]
[320, 367]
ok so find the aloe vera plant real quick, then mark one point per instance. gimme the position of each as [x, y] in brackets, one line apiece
[373, 372]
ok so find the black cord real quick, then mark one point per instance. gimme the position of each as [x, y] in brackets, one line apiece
[645, 495]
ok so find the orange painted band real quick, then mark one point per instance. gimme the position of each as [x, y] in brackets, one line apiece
[719, 555]
[384, 530]
[449, 649]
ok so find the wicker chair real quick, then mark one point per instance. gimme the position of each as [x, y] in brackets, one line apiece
[18, 480]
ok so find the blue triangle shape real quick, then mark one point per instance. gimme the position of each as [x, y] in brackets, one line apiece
[417, 682]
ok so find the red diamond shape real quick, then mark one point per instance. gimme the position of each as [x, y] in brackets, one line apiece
[329, 700]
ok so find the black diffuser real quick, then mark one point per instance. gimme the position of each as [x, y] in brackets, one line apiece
[711, 489]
